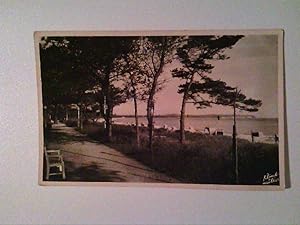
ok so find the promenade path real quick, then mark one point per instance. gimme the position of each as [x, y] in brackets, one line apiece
[89, 160]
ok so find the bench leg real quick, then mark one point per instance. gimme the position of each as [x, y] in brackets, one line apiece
[63, 171]
[47, 173]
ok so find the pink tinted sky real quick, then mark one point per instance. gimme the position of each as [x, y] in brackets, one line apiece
[252, 67]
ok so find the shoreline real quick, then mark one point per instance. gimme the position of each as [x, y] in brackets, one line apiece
[222, 117]
[266, 139]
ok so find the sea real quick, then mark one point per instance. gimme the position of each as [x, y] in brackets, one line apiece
[244, 126]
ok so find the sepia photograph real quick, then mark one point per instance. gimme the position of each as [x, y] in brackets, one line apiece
[166, 108]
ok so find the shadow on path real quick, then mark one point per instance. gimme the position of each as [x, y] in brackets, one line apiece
[93, 172]
[89, 160]
[111, 160]
[60, 137]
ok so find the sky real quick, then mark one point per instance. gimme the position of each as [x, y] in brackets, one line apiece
[252, 67]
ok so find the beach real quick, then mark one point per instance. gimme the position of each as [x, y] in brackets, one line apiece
[266, 128]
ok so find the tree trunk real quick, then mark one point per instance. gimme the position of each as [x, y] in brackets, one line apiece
[182, 112]
[110, 124]
[78, 116]
[150, 103]
[137, 132]
[182, 121]
[234, 145]
[108, 120]
[150, 114]
[81, 117]
[108, 108]
[67, 114]
[107, 130]
[45, 118]
[56, 114]
[234, 150]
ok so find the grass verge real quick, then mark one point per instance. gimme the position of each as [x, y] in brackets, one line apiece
[202, 159]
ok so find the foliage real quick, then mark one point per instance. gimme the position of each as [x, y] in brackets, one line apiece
[218, 92]
[73, 66]
[196, 56]
[156, 53]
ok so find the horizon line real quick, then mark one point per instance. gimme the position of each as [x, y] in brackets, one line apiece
[195, 115]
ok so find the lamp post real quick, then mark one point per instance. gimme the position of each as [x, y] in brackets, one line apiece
[105, 111]
[67, 113]
[45, 115]
[78, 115]
[234, 141]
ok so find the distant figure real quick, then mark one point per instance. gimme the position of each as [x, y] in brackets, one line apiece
[206, 130]
[191, 129]
[172, 128]
[218, 117]
[213, 130]
[276, 138]
[254, 134]
[219, 132]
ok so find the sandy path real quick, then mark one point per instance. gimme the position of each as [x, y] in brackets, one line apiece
[88, 160]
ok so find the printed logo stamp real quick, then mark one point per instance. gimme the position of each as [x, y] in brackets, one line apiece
[271, 178]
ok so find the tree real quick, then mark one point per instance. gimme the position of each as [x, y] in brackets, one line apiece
[195, 56]
[99, 56]
[218, 92]
[72, 65]
[63, 78]
[156, 53]
[134, 81]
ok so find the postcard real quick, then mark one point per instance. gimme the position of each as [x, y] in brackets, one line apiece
[182, 109]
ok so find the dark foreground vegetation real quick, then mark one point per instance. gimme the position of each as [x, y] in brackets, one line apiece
[202, 159]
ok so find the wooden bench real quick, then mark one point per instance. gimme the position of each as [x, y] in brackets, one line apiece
[54, 159]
